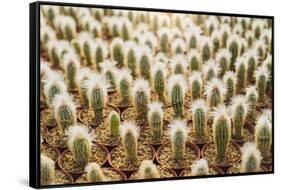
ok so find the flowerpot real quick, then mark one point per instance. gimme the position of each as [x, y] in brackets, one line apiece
[50, 152]
[62, 177]
[248, 134]
[47, 118]
[235, 169]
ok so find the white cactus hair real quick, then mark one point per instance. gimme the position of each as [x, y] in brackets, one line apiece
[193, 30]
[206, 40]
[128, 46]
[268, 59]
[223, 53]
[93, 166]
[250, 149]
[215, 83]
[47, 30]
[149, 36]
[177, 79]
[61, 100]
[267, 113]
[159, 66]
[148, 164]
[251, 90]
[124, 74]
[201, 104]
[45, 68]
[103, 44]
[234, 37]
[225, 28]
[47, 162]
[108, 65]
[143, 51]
[178, 42]
[83, 73]
[166, 31]
[178, 125]
[78, 131]
[239, 62]
[141, 84]
[70, 57]
[54, 78]
[239, 100]
[129, 126]
[230, 74]
[114, 42]
[221, 112]
[212, 20]
[210, 64]
[252, 53]
[261, 71]
[155, 107]
[179, 59]
[160, 56]
[258, 23]
[201, 164]
[194, 53]
[263, 121]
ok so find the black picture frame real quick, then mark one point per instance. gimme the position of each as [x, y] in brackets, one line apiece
[34, 91]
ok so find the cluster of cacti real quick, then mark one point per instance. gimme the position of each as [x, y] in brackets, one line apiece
[205, 79]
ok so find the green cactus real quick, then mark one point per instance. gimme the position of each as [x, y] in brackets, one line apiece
[131, 60]
[177, 100]
[117, 51]
[230, 83]
[214, 93]
[114, 124]
[206, 52]
[261, 81]
[144, 66]
[95, 173]
[195, 86]
[199, 118]
[87, 49]
[251, 67]
[148, 170]
[159, 85]
[155, 121]
[99, 57]
[47, 170]
[251, 158]
[124, 86]
[200, 167]
[195, 64]
[234, 49]
[240, 76]
[129, 136]
[252, 99]
[164, 43]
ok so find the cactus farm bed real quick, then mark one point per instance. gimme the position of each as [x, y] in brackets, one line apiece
[141, 95]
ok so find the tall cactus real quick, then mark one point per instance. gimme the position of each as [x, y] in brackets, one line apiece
[94, 173]
[155, 121]
[261, 81]
[68, 27]
[192, 37]
[129, 135]
[47, 170]
[216, 35]
[71, 65]
[251, 63]
[200, 167]
[252, 98]
[164, 39]
[268, 64]
[158, 75]
[223, 59]
[178, 46]
[80, 144]
[196, 85]
[88, 48]
[176, 91]
[144, 62]
[100, 53]
[215, 92]
[239, 109]
[117, 51]
[148, 170]
[210, 70]
[206, 48]
[82, 76]
[114, 124]
[194, 59]
[126, 29]
[233, 45]
[109, 71]
[178, 135]
[179, 64]
[130, 56]
[199, 117]
[124, 85]
[229, 80]
[251, 158]
[225, 31]
[240, 72]
[221, 131]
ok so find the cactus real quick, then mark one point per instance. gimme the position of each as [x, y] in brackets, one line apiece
[239, 109]
[141, 99]
[178, 46]
[64, 111]
[178, 135]
[159, 74]
[257, 27]
[55, 50]
[229, 80]
[252, 98]
[47, 170]
[211, 24]
[210, 70]
[192, 37]
[83, 75]
[225, 31]
[216, 41]
[50, 12]
[53, 85]
[88, 51]
[223, 59]
[250, 37]
[130, 56]
[68, 26]
[206, 48]
[268, 64]
[148, 170]
[149, 39]
[251, 63]
[200, 167]
[195, 83]
[129, 135]
[100, 53]
[117, 51]
[155, 121]
[260, 48]
[160, 57]
[176, 91]
[233, 45]
[109, 71]
[261, 81]
[263, 135]
[94, 173]
[46, 34]
[114, 124]
[71, 65]
[215, 92]
[194, 60]
[221, 131]
[179, 64]
[124, 85]
[80, 144]
[144, 62]
[97, 96]
[199, 118]
[251, 158]
[126, 27]
[164, 39]
[240, 72]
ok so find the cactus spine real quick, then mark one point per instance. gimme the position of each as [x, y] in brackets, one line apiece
[114, 124]
[206, 48]
[144, 62]
[215, 91]
[117, 51]
[179, 64]
[195, 82]
[109, 72]
[251, 158]
[199, 117]
[47, 170]
[230, 84]
[210, 70]
[223, 59]
[130, 56]
[252, 62]
[200, 167]
[148, 170]
[100, 53]
[124, 85]
[240, 72]
[178, 46]
[155, 121]
[252, 98]
[71, 66]
[194, 60]
[94, 173]
[83, 75]
[164, 39]
[176, 90]
[261, 81]
[159, 74]
[233, 46]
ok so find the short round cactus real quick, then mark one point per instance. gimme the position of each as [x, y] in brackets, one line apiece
[223, 60]
[179, 64]
[210, 70]
[130, 56]
[215, 92]
[194, 60]
[148, 170]
[47, 170]
[252, 98]
[117, 51]
[144, 62]
[94, 173]
[159, 74]
[261, 81]
[200, 167]
[114, 124]
[241, 74]
[199, 111]
[109, 71]
[251, 158]
[155, 121]
[124, 86]
[196, 85]
[229, 81]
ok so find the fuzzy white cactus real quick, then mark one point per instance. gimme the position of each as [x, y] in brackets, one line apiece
[210, 70]
[178, 46]
[148, 170]
[83, 75]
[47, 170]
[124, 85]
[155, 120]
[223, 60]
[100, 52]
[130, 56]
[200, 167]
[225, 32]
[47, 34]
[252, 98]
[196, 85]
[71, 66]
[215, 91]
[234, 46]
[195, 60]
[261, 75]
[211, 24]
[206, 48]
[117, 51]
[94, 173]
[251, 158]
[199, 111]
[65, 26]
[158, 75]
[192, 36]
[144, 62]
[241, 74]
[149, 39]
[179, 64]
[164, 36]
[216, 39]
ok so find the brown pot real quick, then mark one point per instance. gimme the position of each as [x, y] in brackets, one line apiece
[215, 168]
[68, 176]
[247, 126]
[53, 149]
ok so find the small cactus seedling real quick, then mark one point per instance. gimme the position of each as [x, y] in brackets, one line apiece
[129, 135]
[114, 25]
[200, 167]
[215, 91]
[50, 12]
[251, 158]
[100, 53]
[239, 109]
[117, 51]
[195, 83]
[64, 111]
[141, 99]
[199, 117]
[223, 59]
[78, 42]
[178, 134]
[194, 59]
[71, 65]
[149, 39]
[258, 27]
[124, 85]
[260, 48]
[94, 173]
[164, 39]
[148, 170]
[233, 45]
[53, 85]
[178, 46]
[109, 72]
[46, 34]
[229, 80]
[206, 47]
[158, 75]
[176, 91]
[80, 144]
[130, 56]
[56, 48]
[211, 24]
[251, 63]
[261, 81]
[144, 62]
[252, 98]
[82, 76]
[179, 64]
[240, 72]
[155, 121]
[210, 70]
[114, 124]
[97, 96]
[47, 170]
[263, 135]
[221, 131]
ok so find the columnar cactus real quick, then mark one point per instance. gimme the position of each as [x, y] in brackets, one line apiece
[229, 80]
[179, 64]
[221, 131]
[55, 50]
[114, 26]
[251, 63]
[94, 173]
[211, 24]
[130, 56]
[109, 71]
[124, 85]
[260, 47]
[215, 92]
[258, 26]
[80, 144]
[47, 170]
[149, 39]
[223, 60]
[216, 35]
[100, 53]
[114, 124]
[263, 135]
[251, 158]
[117, 51]
[148, 170]
[194, 59]
[68, 27]
[268, 64]
[126, 27]
[141, 99]
[129, 135]
[155, 121]
[233, 45]
[158, 75]
[164, 39]
[144, 62]
[252, 98]
[88, 48]
[250, 37]
[46, 34]
[82, 76]
[199, 111]
[71, 65]
[50, 12]
[200, 167]
[206, 47]
[239, 110]
[97, 96]
[192, 36]
[196, 85]
[78, 42]
[177, 88]
[178, 46]
[178, 135]
[225, 31]
[210, 70]
[261, 81]
[240, 72]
